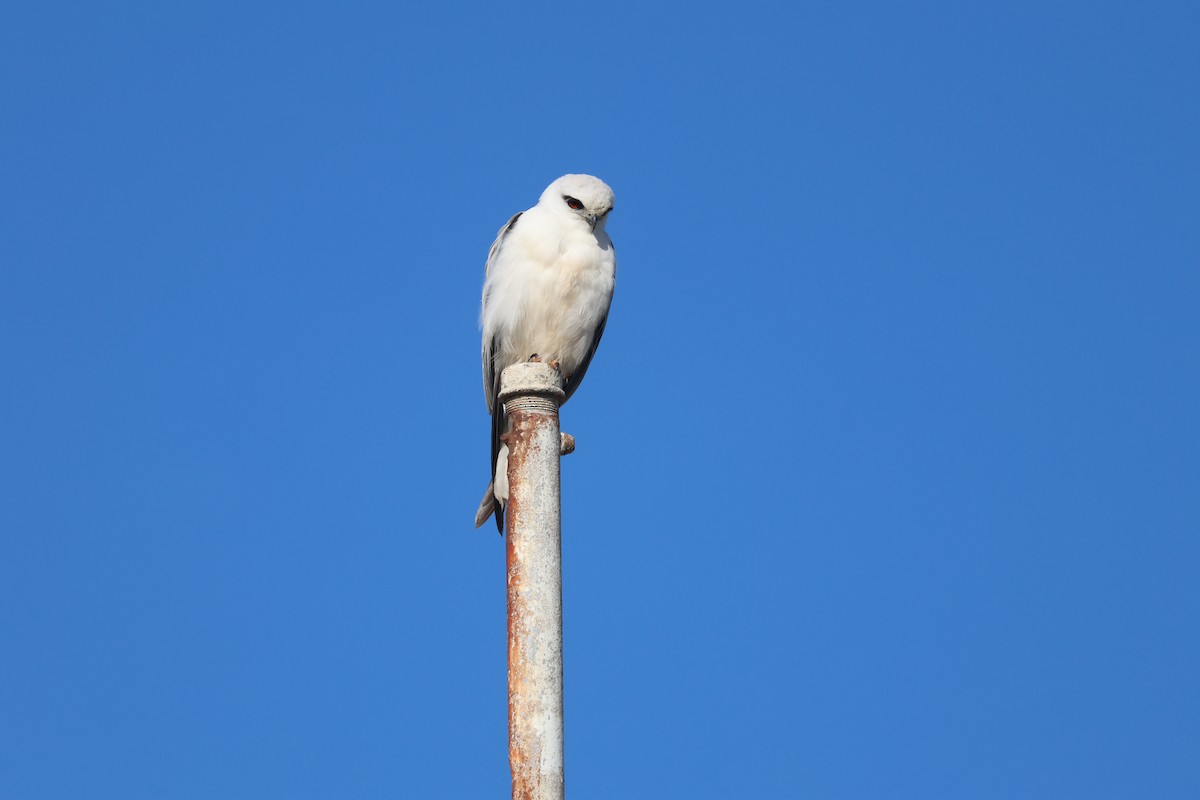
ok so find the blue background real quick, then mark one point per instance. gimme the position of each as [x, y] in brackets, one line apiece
[887, 480]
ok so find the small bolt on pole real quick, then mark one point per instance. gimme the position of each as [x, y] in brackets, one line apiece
[531, 393]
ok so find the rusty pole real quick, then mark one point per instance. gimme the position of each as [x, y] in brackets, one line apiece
[531, 393]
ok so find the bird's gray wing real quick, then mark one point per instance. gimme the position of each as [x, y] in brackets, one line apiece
[491, 377]
[572, 383]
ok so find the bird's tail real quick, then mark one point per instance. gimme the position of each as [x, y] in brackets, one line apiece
[487, 506]
[496, 496]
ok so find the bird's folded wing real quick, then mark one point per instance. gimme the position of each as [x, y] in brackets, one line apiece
[491, 377]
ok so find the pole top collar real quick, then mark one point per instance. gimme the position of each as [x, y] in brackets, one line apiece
[531, 378]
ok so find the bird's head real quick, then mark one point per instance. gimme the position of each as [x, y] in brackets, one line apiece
[580, 196]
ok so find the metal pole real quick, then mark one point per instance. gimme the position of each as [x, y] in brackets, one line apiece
[531, 393]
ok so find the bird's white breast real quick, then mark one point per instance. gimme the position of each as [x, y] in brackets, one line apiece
[548, 291]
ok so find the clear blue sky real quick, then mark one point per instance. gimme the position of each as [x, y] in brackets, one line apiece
[888, 469]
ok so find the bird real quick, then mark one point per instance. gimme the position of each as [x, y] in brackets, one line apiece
[547, 289]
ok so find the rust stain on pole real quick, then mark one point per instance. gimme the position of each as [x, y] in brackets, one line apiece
[531, 393]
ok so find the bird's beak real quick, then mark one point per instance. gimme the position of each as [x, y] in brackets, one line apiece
[591, 218]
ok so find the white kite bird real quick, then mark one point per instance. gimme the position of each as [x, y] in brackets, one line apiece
[546, 292]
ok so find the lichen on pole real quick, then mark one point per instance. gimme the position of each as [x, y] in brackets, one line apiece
[531, 393]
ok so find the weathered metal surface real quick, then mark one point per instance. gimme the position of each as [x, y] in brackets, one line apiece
[531, 393]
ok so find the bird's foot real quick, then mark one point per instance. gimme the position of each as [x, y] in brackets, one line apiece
[535, 359]
[555, 366]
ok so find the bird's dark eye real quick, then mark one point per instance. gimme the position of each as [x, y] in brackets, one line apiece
[572, 202]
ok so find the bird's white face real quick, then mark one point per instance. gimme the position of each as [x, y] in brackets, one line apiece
[580, 196]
